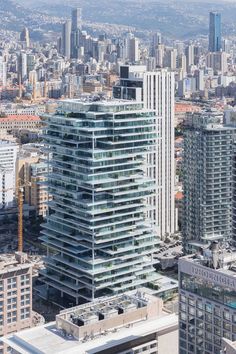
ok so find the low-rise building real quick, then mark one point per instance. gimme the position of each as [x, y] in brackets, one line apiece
[134, 322]
[20, 122]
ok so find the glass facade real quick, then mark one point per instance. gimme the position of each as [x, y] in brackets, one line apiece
[209, 290]
[207, 313]
[215, 32]
[98, 238]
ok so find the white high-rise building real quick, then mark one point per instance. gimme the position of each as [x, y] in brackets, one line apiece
[158, 94]
[8, 155]
[134, 50]
[22, 66]
[3, 72]
[66, 39]
[160, 55]
[156, 89]
[189, 52]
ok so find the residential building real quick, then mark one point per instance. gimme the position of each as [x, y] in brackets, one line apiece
[158, 95]
[15, 294]
[156, 90]
[207, 179]
[189, 53]
[97, 236]
[133, 322]
[134, 50]
[8, 156]
[22, 67]
[36, 193]
[207, 301]
[215, 44]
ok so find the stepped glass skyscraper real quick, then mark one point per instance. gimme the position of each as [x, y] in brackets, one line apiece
[214, 32]
[98, 239]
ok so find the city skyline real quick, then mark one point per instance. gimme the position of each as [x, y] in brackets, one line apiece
[117, 177]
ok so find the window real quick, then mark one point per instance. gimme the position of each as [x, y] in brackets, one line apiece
[208, 308]
[25, 313]
[226, 315]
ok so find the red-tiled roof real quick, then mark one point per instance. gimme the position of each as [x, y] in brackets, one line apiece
[20, 118]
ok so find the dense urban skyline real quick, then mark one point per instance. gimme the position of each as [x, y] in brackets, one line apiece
[117, 177]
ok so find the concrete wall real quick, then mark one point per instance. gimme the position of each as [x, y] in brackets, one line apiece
[152, 310]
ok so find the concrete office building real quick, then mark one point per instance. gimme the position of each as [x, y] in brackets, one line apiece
[207, 301]
[207, 179]
[15, 295]
[8, 156]
[156, 90]
[97, 236]
[134, 322]
[215, 44]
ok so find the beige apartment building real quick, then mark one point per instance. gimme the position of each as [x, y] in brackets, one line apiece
[36, 193]
[15, 295]
[32, 172]
[27, 122]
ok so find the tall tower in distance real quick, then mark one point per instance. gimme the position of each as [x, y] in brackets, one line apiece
[24, 37]
[76, 19]
[66, 39]
[214, 32]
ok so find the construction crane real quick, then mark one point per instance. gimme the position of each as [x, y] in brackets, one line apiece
[20, 217]
[20, 202]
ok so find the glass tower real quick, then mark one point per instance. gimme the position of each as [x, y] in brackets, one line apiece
[214, 32]
[98, 239]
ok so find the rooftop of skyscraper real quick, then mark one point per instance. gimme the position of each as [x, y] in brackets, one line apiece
[221, 257]
[99, 326]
